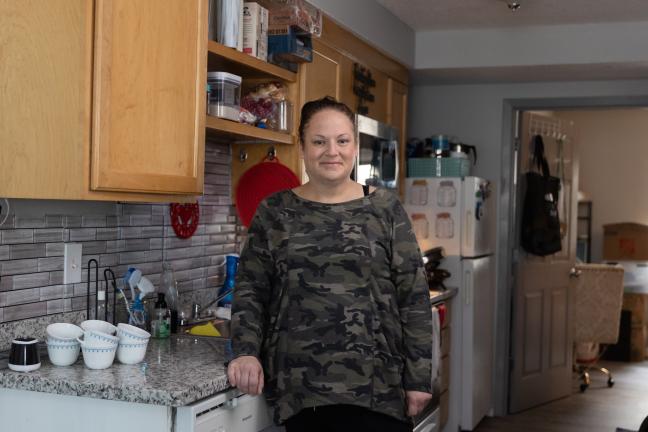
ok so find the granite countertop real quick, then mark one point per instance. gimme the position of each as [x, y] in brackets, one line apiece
[175, 372]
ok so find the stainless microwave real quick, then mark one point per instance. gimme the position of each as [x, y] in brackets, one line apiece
[377, 162]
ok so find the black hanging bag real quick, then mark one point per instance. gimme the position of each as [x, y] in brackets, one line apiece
[540, 221]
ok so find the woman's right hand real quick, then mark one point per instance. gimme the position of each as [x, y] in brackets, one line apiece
[246, 374]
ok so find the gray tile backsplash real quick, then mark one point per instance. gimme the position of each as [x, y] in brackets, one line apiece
[50, 235]
[17, 236]
[117, 236]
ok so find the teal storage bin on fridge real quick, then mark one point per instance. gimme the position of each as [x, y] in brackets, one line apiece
[438, 167]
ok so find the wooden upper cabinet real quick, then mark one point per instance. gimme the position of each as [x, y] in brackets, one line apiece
[44, 97]
[148, 117]
[346, 83]
[321, 77]
[397, 104]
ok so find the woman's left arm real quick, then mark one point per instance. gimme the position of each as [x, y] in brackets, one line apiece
[413, 302]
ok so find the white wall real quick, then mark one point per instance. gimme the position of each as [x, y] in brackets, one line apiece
[613, 153]
[474, 113]
[373, 23]
[538, 45]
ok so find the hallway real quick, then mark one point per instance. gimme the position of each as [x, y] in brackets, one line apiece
[599, 409]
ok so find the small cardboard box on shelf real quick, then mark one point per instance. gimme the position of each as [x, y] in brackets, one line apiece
[255, 30]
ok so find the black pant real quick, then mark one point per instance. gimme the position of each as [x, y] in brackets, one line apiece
[343, 418]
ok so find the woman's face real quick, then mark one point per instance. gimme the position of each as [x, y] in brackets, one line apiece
[329, 148]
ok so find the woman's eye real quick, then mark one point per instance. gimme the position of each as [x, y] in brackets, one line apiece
[343, 141]
[318, 142]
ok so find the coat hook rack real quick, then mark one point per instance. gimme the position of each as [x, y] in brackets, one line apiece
[242, 156]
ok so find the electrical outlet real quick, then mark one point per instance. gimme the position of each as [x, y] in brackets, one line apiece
[72, 263]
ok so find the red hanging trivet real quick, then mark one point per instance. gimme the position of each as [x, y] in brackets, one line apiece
[184, 219]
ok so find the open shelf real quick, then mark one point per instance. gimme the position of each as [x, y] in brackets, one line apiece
[243, 133]
[222, 58]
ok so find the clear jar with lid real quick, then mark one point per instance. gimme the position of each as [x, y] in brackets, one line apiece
[281, 117]
[444, 226]
[419, 192]
[224, 95]
[446, 194]
[420, 225]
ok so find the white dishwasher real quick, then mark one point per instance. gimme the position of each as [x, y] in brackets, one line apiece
[230, 411]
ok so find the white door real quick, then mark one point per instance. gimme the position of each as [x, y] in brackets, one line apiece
[541, 333]
[477, 341]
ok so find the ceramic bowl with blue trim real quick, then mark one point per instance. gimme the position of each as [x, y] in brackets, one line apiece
[63, 354]
[99, 325]
[131, 353]
[99, 357]
[129, 334]
[63, 333]
[95, 338]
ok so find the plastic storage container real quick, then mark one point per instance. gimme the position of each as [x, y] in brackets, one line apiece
[438, 167]
[224, 95]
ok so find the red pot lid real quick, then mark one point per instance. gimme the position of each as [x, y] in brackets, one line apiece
[259, 182]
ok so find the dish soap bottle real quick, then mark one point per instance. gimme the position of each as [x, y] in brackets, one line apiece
[231, 263]
[169, 286]
[160, 324]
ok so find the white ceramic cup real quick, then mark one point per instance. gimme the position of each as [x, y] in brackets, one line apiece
[63, 354]
[99, 325]
[131, 353]
[98, 357]
[56, 341]
[129, 334]
[63, 333]
[95, 338]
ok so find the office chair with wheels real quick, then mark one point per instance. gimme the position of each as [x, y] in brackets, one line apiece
[597, 304]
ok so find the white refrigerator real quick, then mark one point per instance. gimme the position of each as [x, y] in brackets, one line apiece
[458, 214]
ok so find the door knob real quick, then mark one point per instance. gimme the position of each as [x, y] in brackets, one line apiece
[574, 272]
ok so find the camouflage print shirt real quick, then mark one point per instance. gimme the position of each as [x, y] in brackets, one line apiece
[333, 299]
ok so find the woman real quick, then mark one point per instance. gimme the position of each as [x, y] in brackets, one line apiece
[331, 295]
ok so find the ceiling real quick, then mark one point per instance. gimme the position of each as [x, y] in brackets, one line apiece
[422, 15]
[431, 15]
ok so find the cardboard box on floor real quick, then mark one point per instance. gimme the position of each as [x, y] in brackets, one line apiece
[637, 304]
[625, 241]
[638, 340]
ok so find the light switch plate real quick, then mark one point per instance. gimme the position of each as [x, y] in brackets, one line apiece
[71, 263]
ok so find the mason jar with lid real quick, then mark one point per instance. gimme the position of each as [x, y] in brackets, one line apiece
[446, 194]
[444, 226]
[419, 192]
[281, 118]
[420, 225]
